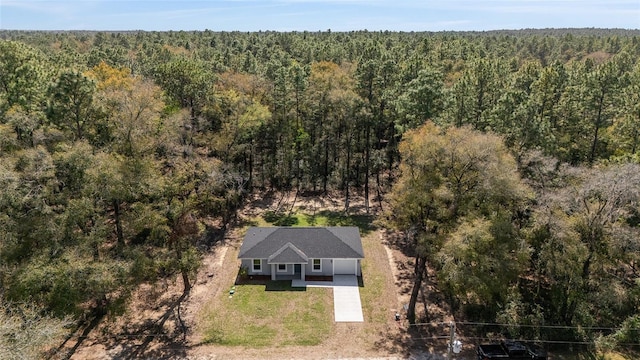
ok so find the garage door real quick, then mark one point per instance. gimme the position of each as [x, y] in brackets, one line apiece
[344, 267]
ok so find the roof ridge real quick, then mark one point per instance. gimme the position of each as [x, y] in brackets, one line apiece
[341, 238]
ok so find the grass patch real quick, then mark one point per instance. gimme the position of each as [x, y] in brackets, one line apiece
[304, 326]
[278, 315]
[280, 219]
[322, 218]
[377, 303]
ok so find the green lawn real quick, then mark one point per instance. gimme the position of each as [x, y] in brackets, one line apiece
[276, 314]
[321, 218]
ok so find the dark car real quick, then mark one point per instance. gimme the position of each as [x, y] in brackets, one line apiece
[510, 349]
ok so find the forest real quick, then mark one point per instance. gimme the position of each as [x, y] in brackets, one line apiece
[508, 159]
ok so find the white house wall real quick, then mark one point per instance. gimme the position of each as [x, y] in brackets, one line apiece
[248, 264]
[327, 267]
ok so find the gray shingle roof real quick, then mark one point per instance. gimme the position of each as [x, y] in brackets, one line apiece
[314, 242]
[288, 254]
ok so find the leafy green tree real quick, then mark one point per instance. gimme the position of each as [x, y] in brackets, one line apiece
[25, 125]
[458, 190]
[421, 100]
[331, 94]
[28, 203]
[626, 127]
[584, 243]
[365, 76]
[299, 81]
[23, 77]
[589, 106]
[23, 85]
[515, 112]
[50, 249]
[475, 94]
[482, 259]
[241, 113]
[117, 182]
[184, 229]
[71, 104]
[26, 333]
[69, 283]
[186, 81]
[133, 117]
[546, 92]
[376, 83]
[72, 161]
[603, 86]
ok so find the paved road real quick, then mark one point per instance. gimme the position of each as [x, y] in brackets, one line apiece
[424, 356]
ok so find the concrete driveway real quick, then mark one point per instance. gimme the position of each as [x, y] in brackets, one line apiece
[346, 296]
[346, 299]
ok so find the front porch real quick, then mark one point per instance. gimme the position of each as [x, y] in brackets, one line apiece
[295, 280]
[288, 263]
[288, 271]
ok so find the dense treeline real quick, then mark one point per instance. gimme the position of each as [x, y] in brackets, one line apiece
[121, 151]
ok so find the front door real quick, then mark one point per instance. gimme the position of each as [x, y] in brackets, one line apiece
[297, 269]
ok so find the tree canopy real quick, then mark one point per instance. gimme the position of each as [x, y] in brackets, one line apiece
[508, 158]
[457, 194]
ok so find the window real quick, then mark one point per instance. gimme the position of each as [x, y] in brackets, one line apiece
[317, 265]
[257, 265]
[282, 267]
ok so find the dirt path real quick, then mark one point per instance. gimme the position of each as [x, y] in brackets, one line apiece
[210, 284]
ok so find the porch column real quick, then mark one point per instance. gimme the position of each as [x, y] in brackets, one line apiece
[302, 272]
[273, 271]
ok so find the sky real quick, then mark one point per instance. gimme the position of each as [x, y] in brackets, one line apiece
[317, 15]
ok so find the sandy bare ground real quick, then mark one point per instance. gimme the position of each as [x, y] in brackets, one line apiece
[162, 323]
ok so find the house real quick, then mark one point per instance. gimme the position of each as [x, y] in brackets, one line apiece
[295, 252]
